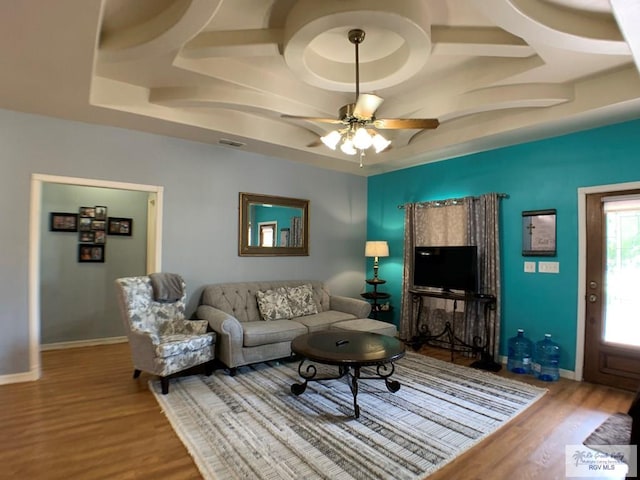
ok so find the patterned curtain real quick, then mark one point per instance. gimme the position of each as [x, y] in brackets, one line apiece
[429, 223]
[467, 221]
[483, 231]
[408, 328]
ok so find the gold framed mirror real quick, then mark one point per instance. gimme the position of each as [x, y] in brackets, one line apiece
[273, 226]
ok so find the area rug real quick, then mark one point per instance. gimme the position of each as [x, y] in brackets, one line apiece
[252, 426]
[615, 430]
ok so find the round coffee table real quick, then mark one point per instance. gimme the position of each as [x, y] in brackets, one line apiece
[350, 351]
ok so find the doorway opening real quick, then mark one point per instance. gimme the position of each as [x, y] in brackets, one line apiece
[592, 292]
[267, 234]
[153, 257]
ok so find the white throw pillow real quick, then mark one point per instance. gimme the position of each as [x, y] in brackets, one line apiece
[273, 304]
[301, 300]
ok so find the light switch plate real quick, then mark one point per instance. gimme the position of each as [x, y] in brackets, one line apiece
[549, 267]
[530, 267]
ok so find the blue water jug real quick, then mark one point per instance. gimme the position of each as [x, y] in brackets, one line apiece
[546, 359]
[519, 353]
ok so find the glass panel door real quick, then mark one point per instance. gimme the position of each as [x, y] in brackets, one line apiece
[622, 271]
[612, 300]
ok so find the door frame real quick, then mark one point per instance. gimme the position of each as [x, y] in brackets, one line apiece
[582, 264]
[154, 246]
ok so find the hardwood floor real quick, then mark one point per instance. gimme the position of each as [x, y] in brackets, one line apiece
[88, 419]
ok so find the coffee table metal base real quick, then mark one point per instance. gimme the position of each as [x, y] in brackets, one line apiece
[383, 372]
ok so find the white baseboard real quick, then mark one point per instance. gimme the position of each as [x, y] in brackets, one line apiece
[82, 343]
[18, 377]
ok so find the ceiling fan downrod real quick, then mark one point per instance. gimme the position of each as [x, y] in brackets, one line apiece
[356, 36]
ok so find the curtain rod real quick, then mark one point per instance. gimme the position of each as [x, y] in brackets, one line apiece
[500, 195]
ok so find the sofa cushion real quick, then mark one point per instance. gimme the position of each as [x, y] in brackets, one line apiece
[323, 320]
[301, 300]
[274, 304]
[264, 333]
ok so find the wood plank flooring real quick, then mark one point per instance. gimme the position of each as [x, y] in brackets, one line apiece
[88, 419]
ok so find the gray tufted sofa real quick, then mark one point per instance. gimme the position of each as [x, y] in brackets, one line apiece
[242, 337]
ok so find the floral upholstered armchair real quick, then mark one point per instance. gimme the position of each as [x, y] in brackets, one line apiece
[162, 341]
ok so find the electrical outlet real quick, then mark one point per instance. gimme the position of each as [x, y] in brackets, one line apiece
[530, 267]
[549, 267]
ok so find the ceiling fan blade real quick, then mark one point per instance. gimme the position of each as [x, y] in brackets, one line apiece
[406, 123]
[313, 119]
[366, 106]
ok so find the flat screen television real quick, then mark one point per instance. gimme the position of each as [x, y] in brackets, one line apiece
[448, 268]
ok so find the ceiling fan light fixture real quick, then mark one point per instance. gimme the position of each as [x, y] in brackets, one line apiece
[331, 139]
[347, 147]
[359, 120]
[362, 140]
[380, 143]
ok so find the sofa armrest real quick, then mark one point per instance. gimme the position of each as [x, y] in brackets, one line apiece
[354, 306]
[229, 334]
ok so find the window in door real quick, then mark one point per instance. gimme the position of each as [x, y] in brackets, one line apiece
[622, 271]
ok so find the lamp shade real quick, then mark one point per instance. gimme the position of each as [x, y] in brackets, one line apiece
[376, 249]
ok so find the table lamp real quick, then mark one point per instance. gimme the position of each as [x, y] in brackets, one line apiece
[376, 249]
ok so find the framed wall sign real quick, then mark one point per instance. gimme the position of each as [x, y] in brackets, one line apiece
[539, 233]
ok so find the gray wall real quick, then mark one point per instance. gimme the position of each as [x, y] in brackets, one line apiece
[201, 185]
[77, 298]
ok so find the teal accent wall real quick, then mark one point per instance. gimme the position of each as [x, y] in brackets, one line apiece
[537, 175]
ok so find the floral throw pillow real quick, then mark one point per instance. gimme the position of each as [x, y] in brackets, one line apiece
[301, 300]
[273, 304]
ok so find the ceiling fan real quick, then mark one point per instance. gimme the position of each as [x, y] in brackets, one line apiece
[359, 121]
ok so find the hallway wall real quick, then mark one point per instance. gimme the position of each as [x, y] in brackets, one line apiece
[76, 299]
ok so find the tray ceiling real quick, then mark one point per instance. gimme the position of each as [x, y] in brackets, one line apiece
[493, 72]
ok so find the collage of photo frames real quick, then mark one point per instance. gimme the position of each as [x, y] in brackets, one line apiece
[93, 226]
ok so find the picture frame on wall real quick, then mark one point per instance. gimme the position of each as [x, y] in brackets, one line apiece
[90, 253]
[99, 236]
[88, 212]
[120, 226]
[63, 222]
[100, 212]
[87, 236]
[539, 233]
[85, 224]
[97, 224]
